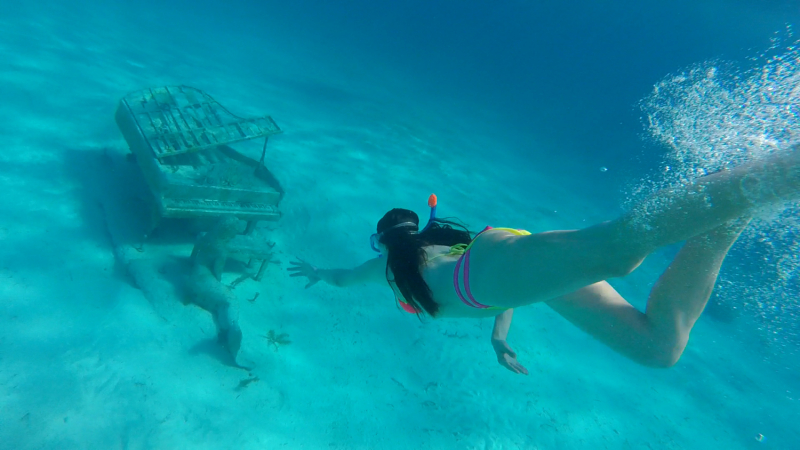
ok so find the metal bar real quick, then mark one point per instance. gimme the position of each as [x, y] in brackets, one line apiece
[264, 150]
[185, 122]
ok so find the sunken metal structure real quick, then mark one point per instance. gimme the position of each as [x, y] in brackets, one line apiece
[183, 141]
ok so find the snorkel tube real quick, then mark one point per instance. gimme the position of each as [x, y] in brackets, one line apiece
[432, 201]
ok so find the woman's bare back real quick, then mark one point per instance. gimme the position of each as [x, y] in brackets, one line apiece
[438, 274]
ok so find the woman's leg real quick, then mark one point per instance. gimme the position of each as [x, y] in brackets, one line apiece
[514, 271]
[658, 336]
[673, 215]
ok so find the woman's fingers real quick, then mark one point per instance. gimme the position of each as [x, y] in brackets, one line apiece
[513, 365]
[507, 357]
[300, 268]
[521, 369]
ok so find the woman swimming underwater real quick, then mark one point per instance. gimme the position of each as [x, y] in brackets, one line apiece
[442, 271]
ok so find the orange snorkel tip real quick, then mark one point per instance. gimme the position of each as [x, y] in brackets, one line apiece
[432, 201]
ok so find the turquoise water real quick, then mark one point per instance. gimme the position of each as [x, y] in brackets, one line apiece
[514, 114]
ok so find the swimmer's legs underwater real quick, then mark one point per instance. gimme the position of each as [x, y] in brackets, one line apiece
[520, 270]
[658, 336]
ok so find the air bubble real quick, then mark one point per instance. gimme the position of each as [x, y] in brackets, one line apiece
[717, 115]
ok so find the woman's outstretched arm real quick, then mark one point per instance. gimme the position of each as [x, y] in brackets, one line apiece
[372, 271]
[658, 336]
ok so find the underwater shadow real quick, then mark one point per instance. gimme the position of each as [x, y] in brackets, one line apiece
[214, 349]
[112, 184]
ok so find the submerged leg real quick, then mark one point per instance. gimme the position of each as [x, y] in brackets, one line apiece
[673, 215]
[658, 336]
[518, 270]
[681, 293]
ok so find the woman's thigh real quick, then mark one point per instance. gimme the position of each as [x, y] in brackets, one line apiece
[509, 270]
[600, 311]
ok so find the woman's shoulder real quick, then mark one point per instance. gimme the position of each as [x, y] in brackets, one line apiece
[436, 251]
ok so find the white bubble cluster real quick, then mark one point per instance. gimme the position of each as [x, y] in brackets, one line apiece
[711, 116]
[714, 115]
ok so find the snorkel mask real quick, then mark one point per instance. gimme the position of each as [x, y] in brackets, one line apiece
[375, 238]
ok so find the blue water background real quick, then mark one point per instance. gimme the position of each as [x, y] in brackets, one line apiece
[554, 86]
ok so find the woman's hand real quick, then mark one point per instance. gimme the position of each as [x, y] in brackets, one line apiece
[304, 269]
[506, 357]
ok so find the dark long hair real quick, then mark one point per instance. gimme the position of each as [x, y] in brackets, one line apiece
[406, 253]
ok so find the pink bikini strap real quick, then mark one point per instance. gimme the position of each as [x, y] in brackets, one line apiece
[471, 302]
